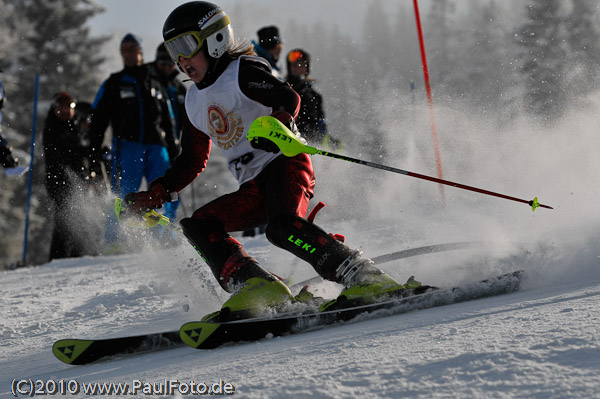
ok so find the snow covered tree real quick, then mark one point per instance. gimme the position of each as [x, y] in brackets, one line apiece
[377, 40]
[405, 54]
[440, 42]
[543, 44]
[483, 69]
[59, 47]
[375, 67]
[49, 38]
[583, 30]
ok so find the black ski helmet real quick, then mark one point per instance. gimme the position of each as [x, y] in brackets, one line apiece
[298, 55]
[205, 22]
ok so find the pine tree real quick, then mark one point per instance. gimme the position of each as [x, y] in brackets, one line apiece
[377, 40]
[59, 47]
[49, 38]
[544, 51]
[484, 73]
[583, 29]
[440, 37]
[405, 53]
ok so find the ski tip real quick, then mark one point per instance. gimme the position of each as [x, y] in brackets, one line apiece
[69, 350]
[196, 333]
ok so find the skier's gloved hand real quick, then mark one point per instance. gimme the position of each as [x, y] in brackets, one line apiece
[6, 158]
[260, 143]
[145, 201]
[266, 144]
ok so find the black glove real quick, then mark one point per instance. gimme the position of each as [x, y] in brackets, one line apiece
[145, 201]
[260, 143]
[6, 158]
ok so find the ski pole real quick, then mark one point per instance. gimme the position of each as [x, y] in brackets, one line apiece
[269, 128]
[30, 179]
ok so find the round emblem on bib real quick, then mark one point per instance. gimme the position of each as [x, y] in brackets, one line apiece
[217, 120]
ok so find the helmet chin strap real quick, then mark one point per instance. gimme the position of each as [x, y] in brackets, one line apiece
[210, 71]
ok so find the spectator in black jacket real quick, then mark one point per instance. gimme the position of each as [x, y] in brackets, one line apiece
[66, 150]
[311, 118]
[6, 157]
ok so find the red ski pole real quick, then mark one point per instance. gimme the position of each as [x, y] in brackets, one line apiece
[271, 129]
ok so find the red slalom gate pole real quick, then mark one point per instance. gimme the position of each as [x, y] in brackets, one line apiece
[436, 148]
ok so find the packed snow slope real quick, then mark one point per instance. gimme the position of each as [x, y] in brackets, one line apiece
[540, 342]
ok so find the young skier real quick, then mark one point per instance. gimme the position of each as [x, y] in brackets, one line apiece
[233, 88]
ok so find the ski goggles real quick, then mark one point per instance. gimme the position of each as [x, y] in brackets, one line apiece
[187, 44]
[294, 56]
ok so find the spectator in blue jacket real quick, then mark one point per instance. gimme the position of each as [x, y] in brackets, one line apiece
[131, 101]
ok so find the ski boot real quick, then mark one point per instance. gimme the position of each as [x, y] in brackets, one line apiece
[254, 298]
[366, 284]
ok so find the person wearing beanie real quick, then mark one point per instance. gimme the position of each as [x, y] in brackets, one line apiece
[66, 157]
[130, 37]
[269, 46]
[131, 101]
[131, 50]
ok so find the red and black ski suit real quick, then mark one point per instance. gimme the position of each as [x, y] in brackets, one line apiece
[278, 196]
